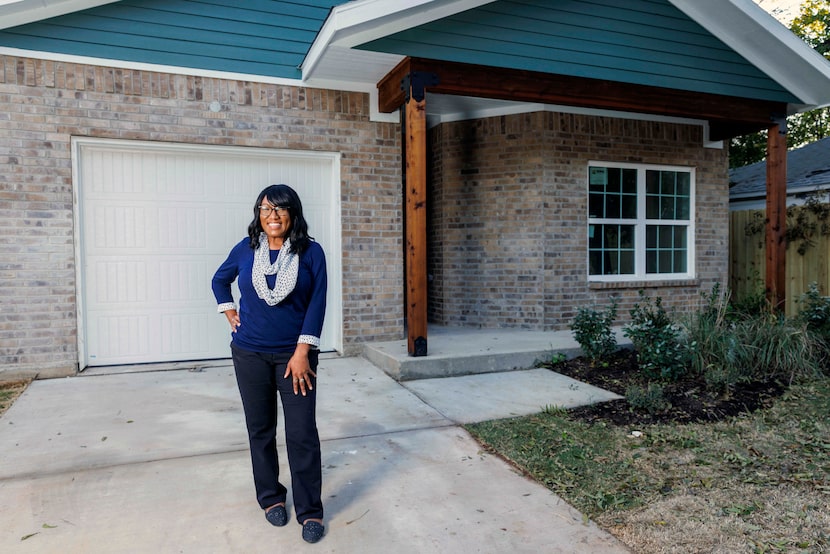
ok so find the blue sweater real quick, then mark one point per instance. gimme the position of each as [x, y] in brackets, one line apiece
[277, 328]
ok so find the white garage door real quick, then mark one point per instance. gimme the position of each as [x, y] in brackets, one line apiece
[155, 220]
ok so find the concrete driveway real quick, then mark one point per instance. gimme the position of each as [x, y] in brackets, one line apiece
[157, 462]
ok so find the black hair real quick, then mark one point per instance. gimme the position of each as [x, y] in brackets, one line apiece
[285, 197]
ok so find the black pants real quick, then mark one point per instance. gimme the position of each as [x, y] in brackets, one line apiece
[260, 378]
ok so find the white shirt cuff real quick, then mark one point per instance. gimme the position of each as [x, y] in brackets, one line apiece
[309, 339]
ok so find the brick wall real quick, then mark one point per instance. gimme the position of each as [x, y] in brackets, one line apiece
[44, 103]
[508, 216]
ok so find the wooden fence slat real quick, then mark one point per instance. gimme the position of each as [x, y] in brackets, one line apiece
[747, 263]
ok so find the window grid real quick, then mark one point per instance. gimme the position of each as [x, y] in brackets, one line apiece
[626, 202]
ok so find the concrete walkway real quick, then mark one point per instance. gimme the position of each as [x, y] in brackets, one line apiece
[157, 462]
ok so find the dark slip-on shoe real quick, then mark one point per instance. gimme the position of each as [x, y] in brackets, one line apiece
[277, 516]
[313, 531]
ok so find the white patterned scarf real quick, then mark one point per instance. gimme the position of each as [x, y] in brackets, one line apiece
[286, 268]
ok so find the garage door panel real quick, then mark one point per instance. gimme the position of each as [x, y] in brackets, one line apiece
[118, 281]
[184, 334]
[122, 338]
[157, 220]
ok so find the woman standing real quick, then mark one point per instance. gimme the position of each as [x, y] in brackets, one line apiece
[281, 274]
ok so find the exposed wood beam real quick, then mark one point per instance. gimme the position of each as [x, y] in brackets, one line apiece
[776, 225]
[415, 223]
[726, 114]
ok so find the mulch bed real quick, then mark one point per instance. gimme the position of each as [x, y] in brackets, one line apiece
[689, 400]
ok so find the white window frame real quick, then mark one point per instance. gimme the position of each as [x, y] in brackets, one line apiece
[641, 223]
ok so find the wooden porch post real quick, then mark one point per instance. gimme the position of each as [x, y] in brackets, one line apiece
[416, 215]
[776, 253]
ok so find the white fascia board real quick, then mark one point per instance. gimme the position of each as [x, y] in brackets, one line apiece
[767, 44]
[361, 21]
[22, 12]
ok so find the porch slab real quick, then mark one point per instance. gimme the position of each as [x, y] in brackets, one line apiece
[456, 351]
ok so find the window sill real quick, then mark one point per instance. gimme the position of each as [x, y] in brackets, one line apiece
[606, 285]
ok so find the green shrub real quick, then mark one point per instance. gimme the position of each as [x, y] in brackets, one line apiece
[719, 352]
[650, 398]
[732, 347]
[661, 351]
[592, 330]
[815, 314]
[782, 350]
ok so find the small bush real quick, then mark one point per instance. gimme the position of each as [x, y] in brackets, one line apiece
[782, 350]
[720, 353]
[650, 398]
[733, 347]
[661, 351]
[815, 314]
[592, 330]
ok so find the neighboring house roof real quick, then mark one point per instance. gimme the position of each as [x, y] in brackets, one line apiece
[724, 47]
[808, 170]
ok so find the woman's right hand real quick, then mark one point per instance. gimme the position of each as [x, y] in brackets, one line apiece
[233, 319]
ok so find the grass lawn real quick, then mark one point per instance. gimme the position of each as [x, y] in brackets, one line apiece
[9, 391]
[754, 483]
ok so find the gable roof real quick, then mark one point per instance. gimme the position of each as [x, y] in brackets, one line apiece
[808, 169]
[752, 34]
[728, 47]
[643, 42]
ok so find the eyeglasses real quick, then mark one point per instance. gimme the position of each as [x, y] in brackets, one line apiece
[265, 210]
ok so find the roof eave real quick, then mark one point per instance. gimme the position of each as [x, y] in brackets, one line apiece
[22, 12]
[361, 21]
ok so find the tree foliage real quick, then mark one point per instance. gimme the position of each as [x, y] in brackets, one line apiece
[813, 26]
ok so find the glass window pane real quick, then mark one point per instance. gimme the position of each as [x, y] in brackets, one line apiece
[680, 237]
[595, 236]
[627, 236]
[595, 205]
[614, 178]
[627, 262]
[667, 207]
[652, 182]
[651, 261]
[629, 207]
[666, 237]
[664, 261]
[629, 181]
[595, 263]
[652, 207]
[612, 206]
[680, 257]
[667, 182]
[612, 236]
[683, 208]
[684, 183]
[651, 236]
[612, 263]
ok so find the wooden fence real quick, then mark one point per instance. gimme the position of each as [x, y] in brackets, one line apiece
[747, 263]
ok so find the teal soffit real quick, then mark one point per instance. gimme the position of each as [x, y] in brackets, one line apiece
[256, 37]
[643, 42]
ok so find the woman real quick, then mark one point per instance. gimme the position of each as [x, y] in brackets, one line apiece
[281, 274]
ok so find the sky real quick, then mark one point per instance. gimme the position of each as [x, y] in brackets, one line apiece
[783, 10]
